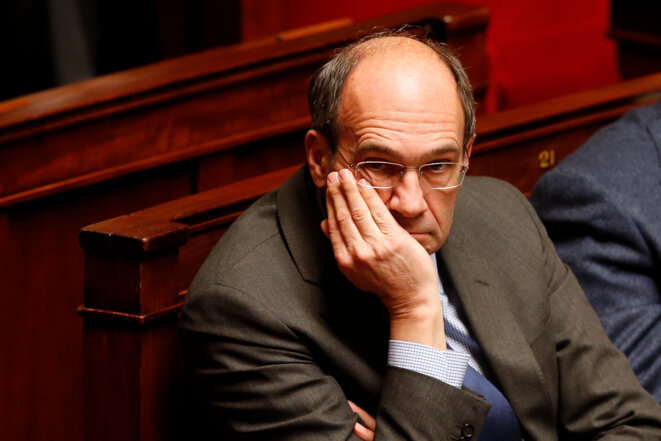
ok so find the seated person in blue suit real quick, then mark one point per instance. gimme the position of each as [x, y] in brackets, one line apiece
[602, 209]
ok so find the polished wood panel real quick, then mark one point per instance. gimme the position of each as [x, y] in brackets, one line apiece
[192, 106]
[41, 266]
[138, 266]
[520, 145]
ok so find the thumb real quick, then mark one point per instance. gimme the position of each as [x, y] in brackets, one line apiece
[324, 228]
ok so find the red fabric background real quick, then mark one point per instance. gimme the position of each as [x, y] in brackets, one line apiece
[538, 49]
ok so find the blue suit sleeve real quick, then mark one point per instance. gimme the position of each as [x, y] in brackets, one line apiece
[601, 235]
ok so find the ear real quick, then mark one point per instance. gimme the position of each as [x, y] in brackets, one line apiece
[317, 155]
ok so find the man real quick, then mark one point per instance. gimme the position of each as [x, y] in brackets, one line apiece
[324, 291]
[602, 207]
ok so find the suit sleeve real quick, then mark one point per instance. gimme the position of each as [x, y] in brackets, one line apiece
[599, 397]
[601, 241]
[598, 394]
[254, 378]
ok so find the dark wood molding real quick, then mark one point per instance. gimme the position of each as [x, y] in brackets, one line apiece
[106, 315]
[135, 120]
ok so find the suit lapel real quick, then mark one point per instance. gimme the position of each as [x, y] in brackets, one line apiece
[356, 317]
[313, 255]
[300, 221]
[504, 345]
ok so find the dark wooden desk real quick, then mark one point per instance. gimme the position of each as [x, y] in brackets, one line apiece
[138, 266]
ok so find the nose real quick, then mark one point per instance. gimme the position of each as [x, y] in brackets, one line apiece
[407, 197]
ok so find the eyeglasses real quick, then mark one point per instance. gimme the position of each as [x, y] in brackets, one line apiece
[385, 175]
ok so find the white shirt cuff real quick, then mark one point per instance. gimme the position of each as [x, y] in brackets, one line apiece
[446, 366]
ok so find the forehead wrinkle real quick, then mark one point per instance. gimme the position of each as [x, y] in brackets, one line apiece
[406, 115]
[408, 111]
[447, 131]
[359, 118]
[394, 121]
[399, 126]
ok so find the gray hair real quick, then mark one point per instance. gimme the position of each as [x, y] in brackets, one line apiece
[327, 83]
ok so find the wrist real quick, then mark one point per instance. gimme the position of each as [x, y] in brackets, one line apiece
[422, 325]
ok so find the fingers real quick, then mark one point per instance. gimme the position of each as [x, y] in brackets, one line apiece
[363, 431]
[324, 228]
[369, 421]
[350, 205]
[380, 213]
[331, 226]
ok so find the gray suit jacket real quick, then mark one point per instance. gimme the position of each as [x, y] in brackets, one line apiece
[275, 339]
[602, 208]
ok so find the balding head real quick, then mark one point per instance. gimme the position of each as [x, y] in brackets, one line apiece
[395, 48]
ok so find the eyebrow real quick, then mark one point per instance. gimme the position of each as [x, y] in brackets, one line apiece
[380, 148]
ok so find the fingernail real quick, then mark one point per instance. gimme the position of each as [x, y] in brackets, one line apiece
[344, 174]
[332, 178]
[363, 183]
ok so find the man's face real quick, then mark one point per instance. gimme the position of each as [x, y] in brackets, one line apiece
[405, 108]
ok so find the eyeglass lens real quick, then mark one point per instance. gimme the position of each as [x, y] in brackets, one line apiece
[386, 175]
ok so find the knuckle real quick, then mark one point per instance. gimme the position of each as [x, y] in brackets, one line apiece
[382, 253]
[342, 216]
[358, 214]
[363, 254]
[359, 254]
[344, 263]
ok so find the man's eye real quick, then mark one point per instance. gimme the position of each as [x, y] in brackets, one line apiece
[437, 167]
[375, 166]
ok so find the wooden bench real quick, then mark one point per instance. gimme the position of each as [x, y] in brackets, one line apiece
[193, 106]
[78, 154]
[138, 266]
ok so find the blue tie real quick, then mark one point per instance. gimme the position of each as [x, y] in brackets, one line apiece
[501, 423]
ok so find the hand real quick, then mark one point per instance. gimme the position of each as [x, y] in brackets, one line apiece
[379, 256]
[364, 432]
